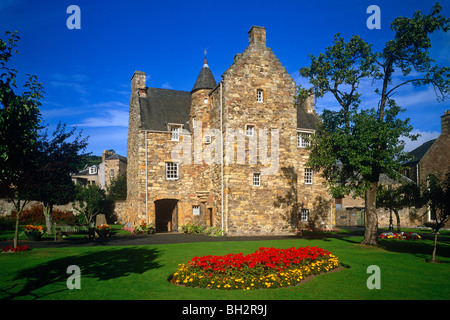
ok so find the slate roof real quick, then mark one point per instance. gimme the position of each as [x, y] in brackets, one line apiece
[419, 152]
[164, 106]
[116, 156]
[305, 120]
[205, 79]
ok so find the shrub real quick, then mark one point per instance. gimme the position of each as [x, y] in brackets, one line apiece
[143, 227]
[193, 228]
[213, 232]
[6, 223]
[35, 215]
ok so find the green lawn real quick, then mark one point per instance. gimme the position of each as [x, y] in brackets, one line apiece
[142, 272]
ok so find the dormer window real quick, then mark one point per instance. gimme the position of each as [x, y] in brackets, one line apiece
[303, 139]
[93, 170]
[175, 131]
[260, 95]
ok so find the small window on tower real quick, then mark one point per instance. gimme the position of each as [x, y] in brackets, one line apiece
[205, 101]
[260, 95]
[250, 130]
[257, 179]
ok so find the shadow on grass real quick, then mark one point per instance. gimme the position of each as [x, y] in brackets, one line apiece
[101, 265]
[420, 248]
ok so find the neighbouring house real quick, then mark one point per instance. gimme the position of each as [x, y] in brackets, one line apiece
[350, 211]
[229, 154]
[110, 168]
[432, 157]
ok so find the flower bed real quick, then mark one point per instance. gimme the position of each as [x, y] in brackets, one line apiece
[19, 248]
[400, 236]
[265, 268]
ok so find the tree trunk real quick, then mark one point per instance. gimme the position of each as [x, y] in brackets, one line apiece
[398, 220]
[48, 217]
[16, 231]
[433, 256]
[371, 233]
[19, 209]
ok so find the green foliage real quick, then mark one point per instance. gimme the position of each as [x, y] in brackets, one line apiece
[437, 196]
[87, 161]
[143, 227]
[90, 201]
[58, 158]
[20, 122]
[117, 189]
[192, 228]
[213, 231]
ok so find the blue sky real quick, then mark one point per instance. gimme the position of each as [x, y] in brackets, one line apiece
[86, 73]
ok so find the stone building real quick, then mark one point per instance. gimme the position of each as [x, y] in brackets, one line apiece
[112, 166]
[437, 158]
[229, 154]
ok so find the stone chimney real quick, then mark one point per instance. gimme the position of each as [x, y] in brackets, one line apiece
[445, 124]
[257, 36]
[138, 83]
[106, 154]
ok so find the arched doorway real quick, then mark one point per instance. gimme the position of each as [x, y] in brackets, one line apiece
[166, 215]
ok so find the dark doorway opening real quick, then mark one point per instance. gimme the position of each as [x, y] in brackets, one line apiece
[166, 215]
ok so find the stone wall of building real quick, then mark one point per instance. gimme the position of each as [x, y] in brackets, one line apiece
[274, 206]
[437, 158]
[135, 151]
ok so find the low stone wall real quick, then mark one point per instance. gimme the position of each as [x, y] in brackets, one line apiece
[115, 214]
[7, 207]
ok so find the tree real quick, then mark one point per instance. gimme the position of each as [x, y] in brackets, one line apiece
[117, 189]
[20, 122]
[437, 196]
[58, 158]
[396, 199]
[90, 201]
[353, 146]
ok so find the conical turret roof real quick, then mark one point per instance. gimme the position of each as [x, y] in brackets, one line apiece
[205, 79]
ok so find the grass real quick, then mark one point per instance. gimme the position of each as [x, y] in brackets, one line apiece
[142, 272]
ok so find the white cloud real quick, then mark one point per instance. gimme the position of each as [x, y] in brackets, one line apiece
[77, 87]
[166, 85]
[106, 118]
[424, 137]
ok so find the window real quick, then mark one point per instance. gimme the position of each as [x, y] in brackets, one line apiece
[207, 139]
[257, 179]
[194, 123]
[171, 171]
[260, 95]
[175, 133]
[308, 176]
[111, 173]
[196, 210]
[303, 139]
[205, 101]
[93, 170]
[304, 215]
[250, 131]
